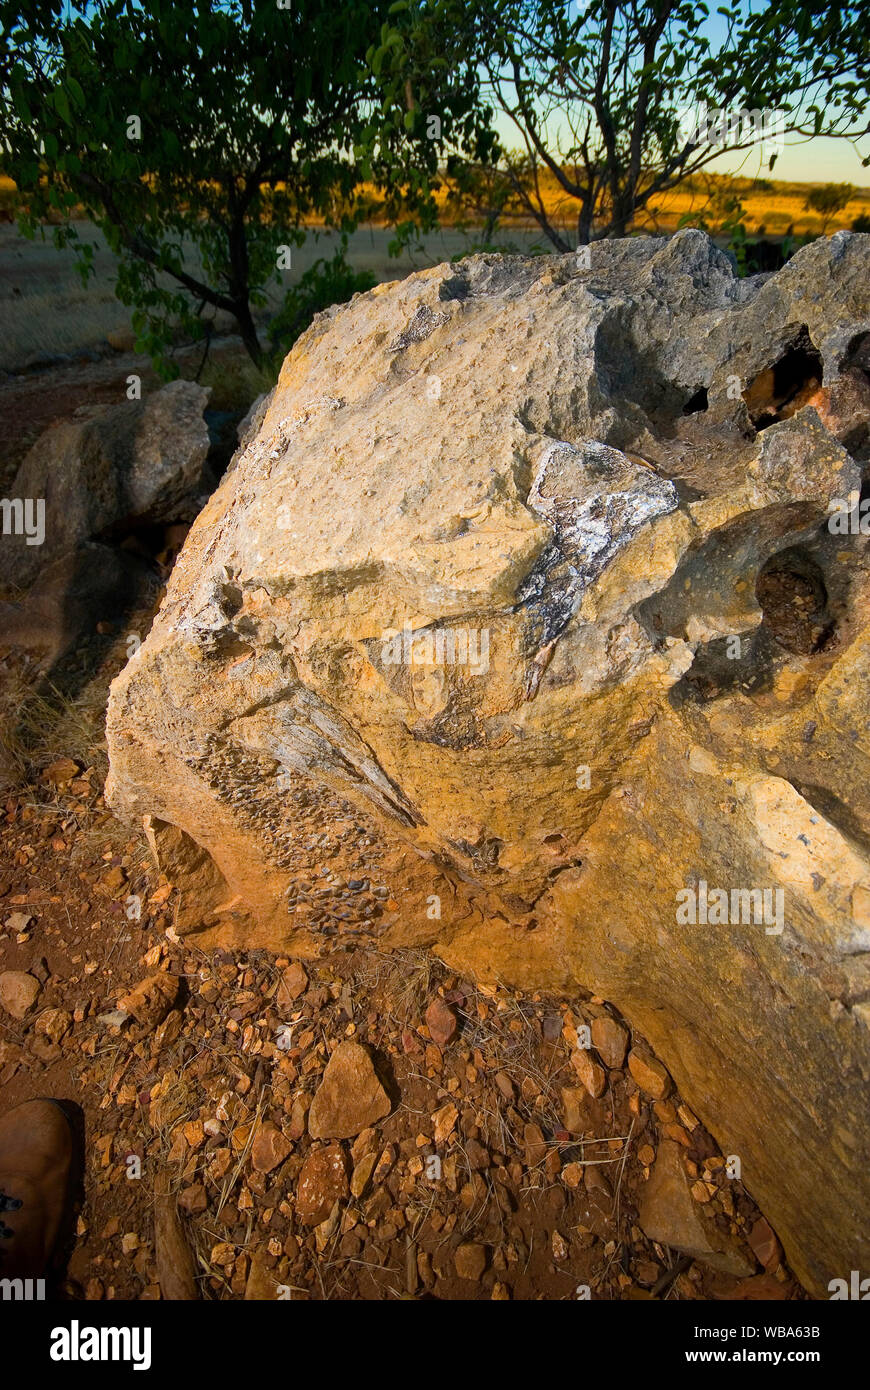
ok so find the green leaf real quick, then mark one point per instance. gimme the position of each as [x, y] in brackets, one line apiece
[76, 92]
[61, 106]
[21, 106]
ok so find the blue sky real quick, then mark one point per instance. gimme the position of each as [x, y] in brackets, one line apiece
[819, 160]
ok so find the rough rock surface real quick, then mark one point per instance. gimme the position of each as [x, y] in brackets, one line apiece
[670, 1215]
[350, 1097]
[533, 562]
[98, 476]
[19, 992]
[137, 461]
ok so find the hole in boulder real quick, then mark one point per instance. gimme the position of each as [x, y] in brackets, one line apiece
[697, 402]
[791, 593]
[780, 391]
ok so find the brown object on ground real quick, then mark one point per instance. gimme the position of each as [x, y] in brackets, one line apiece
[151, 1000]
[350, 1097]
[174, 1258]
[36, 1152]
[19, 992]
[442, 1022]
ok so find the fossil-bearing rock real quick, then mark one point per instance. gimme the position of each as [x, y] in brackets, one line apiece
[533, 563]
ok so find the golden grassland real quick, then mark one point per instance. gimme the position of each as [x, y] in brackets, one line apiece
[770, 207]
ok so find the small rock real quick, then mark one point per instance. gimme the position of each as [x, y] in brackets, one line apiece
[442, 1022]
[172, 1253]
[63, 770]
[650, 1075]
[669, 1215]
[54, 1024]
[350, 1097]
[193, 1199]
[261, 1285]
[298, 1116]
[765, 1246]
[590, 1072]
[574, 1099]
[470, 1261]
[505, 1085]
[646, 1272]
[294, 983]
[365, 1143]
[322, 1183]
[362, 1173]
[168, 1031]
[269, 1149]
[151, 1000]
[18, 992]
[18, 922]
[611, 1040]
[444, 1121]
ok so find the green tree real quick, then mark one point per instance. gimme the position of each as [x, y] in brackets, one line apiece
[596, 92]
[830, 199]
[200, 136]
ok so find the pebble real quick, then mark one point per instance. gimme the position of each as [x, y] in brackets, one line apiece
[574, 1102]
[269, 1149]
[322, 1183]
[444, 1121]
[764, 1245]
[193, 1199]
[470, 1261]
[590, 1072]
[54, 1024]
[18, 992]
[650, 1075]
[294, 982]
[610, 1040]
[442, 1022]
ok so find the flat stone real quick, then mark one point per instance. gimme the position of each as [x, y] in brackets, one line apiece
[322, 1183]
[610, 1040]
[470, 1261]
[269, 1149]
[294, 982]
[650, 1075]
[669, 1214]
[350, 1098]
[442, 1022]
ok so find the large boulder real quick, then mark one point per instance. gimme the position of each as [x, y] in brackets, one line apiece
[138, 462]
[531, 560]
[86, 485]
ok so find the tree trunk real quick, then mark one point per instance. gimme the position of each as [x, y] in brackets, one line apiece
[248, 332]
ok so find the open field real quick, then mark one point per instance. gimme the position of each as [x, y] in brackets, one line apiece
[46, 311]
